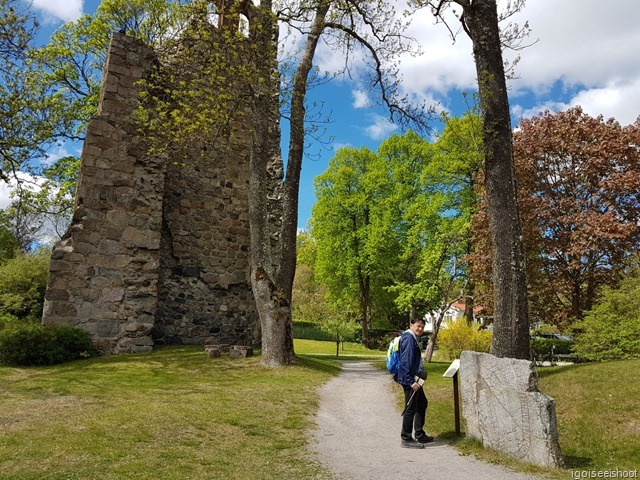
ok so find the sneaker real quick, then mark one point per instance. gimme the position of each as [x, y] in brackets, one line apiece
[411, 444]
[425, 439]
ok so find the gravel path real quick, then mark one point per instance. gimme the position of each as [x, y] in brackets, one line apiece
[358, 435]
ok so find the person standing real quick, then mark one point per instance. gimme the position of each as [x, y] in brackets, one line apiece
[410, 369]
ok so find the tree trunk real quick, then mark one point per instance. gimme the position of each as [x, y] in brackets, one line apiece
[364, 286]
[511, 318]
[273, 306]
[273, 257]
[468, 309]
[576, 298]
[431, 344]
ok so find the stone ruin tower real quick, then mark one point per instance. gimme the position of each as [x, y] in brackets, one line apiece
[158, 249]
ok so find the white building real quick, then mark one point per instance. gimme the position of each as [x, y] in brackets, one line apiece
[454, 312]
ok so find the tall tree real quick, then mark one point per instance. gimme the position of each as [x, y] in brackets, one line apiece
[371, 26]
[438, 220]
[342, 222]
[397, 222]
[480, 21]
[579, 190]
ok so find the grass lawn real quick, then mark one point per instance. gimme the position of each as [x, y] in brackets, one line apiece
[174, 414]
[598, 409]
[171, 414]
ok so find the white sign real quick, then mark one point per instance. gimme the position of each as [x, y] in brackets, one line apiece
[453, 369]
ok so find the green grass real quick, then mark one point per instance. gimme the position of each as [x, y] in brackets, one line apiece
[347, 349]
[171, 414]
[598, 409]
[174, 414]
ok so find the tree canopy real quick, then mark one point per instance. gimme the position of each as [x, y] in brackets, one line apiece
[580, 194]
[392, 226]
[578, 188]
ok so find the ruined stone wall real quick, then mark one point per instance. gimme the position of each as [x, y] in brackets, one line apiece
[157, 251]
[205, 294]
[104, 272]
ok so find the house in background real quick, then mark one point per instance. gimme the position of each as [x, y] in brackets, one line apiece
[454, 312]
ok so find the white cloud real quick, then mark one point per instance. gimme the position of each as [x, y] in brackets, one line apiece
[60, 151]
[381, 127]
[66, 10]
[443, 64]
[580, 42]
[360, 99]
[619, 101]
[5, 192]
[586, 54]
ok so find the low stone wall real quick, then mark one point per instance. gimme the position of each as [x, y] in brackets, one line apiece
[504, 410]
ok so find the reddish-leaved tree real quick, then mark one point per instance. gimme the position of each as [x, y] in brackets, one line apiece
[578, 190]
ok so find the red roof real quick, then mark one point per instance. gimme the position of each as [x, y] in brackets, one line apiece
[461, 306]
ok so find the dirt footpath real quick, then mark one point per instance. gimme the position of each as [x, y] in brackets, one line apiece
[358, 436]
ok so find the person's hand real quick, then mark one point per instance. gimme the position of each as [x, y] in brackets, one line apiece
[415, 386]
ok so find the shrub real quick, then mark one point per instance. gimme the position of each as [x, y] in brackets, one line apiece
[23, 281]
[459, 335]
[7, 320]
[545, 349]
[34, 344]
[611, 331]
[310, 331]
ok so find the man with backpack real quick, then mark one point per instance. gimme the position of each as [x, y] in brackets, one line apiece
[410, 374]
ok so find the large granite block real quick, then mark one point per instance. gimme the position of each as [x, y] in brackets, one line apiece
[504, 410]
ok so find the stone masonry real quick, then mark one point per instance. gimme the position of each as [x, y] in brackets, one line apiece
[504, 410]
[158, 248]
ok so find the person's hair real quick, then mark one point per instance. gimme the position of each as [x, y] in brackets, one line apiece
[418, 319]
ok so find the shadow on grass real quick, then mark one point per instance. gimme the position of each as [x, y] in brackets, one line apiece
[321, 364]
[571, 461]
[553, 370]
[450, 437]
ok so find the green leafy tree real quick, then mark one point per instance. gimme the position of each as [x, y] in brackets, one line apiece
[341, 327]
[342, 222]
[23, 281]
[397, 222]
[25, 130]
[437, 215]
[9, 244]
[309, 296]
[611, 330]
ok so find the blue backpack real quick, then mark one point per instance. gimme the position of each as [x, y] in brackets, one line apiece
[393, 355]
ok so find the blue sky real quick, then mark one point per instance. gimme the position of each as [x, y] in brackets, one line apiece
[586, 53]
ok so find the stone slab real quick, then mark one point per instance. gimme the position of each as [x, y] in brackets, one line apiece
[504, 410]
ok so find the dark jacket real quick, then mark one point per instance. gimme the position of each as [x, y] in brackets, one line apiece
[410, 359]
